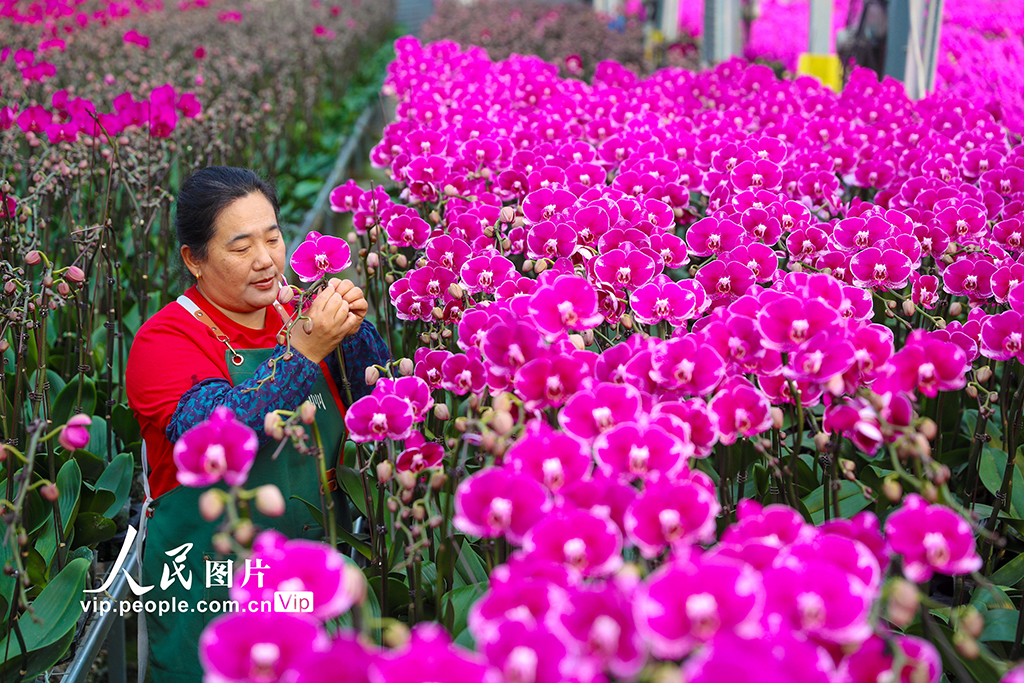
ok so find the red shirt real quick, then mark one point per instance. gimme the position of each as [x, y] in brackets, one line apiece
[172, 352]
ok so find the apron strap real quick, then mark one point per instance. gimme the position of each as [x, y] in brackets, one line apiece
[199, 315]
[143, 637]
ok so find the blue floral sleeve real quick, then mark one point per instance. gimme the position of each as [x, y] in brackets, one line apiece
[362, 350]
[293, 381]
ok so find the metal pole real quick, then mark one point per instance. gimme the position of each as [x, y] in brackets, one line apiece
[932, 42]
[721, 30]
[820, 27]
[897, 40]
[117, 664]
[669, 20]
[707, 47]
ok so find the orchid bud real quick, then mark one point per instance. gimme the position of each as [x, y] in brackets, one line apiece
[74, 274]
[406, 479]
[272, 426]
[401, 261]
[33, 258]
[908, 307]
[372, 260]
[502, 423]
[437, 480]
[778, 418]
[955, 309]
[63, 289]
[456, 291]
[441, 412]
[372, 375]
[451, 190]
[245, 532]
[928, 428]
[385, 470]
[966, 646]
[972, 622]
[540, 266]
[503, 403]
[405, 367]
[396, 635]
[983, 374]
[627, 321]
[49, 492]
[222, 543]
[892, 490]
[461, 424]
[354, 584]
[285, 295]
[930, 493]
[904, 599]
[508, 214]
[588, 337]
[971, 391]
[307, 412]
[211, 504]
[577, 341]
[269, 500]
[307, 326]
[821, 441]
[434, 217]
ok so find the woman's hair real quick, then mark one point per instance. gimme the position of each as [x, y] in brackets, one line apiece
[205, 194]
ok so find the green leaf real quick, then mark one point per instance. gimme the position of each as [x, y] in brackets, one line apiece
[67, 400]
[55, 380]
[361, 546]
[979, 669]
[35, 508]
[57, 609]
[468, 563]
[398, 593]
[69, 484]
[125, 425]
[991, 468]
[96, 500]
[460, 600]
[92, 528]
[7, 583]
[44, 658]
[35, 565]
[98, 442]
[761, 479]
[1000, 626]
[351, 481]
[992, 598]
[851, 501]
[117, 478]
[1010, 574]
[91, 466]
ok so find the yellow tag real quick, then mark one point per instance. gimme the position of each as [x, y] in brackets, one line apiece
[826, 68]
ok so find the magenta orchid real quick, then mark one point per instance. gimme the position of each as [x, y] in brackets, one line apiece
[319, 255]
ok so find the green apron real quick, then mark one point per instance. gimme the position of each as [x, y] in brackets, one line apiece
[175, 520]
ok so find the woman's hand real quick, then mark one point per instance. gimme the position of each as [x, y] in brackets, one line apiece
[357, 306]
[330, 320]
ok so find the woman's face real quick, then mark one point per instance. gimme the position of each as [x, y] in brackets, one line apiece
[245, 257]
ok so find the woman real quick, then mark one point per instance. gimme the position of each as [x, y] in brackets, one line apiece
[210, 348]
